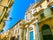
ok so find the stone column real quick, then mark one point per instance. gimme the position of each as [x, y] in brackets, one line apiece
[27, 34]
[37, 31]
[34, 31]
[24, 34]
[20, 34]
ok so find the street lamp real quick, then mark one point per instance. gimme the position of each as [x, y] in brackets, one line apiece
[9, 19]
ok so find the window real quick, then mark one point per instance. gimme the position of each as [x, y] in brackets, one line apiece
[46, 32]
[47, 0]
[0, 0]
[28, 17]
[31, 35]
[1, 10]
[40, 6]
[41, 15]
[33, 11]
[51, 7]
[47, 12]
[0, 13]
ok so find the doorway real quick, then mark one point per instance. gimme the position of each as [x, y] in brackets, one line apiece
[46, 32]
[12, 38]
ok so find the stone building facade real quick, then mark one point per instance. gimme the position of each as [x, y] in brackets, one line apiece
[17, 31]
[38, 19]
[5, 6]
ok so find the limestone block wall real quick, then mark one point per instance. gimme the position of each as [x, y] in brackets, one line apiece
[48, 22]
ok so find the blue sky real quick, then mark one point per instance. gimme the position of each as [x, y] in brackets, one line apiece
[17, 12]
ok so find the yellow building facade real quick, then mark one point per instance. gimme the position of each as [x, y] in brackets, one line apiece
[40, 16]
[18, 30]
[5, 6]
[38, 19]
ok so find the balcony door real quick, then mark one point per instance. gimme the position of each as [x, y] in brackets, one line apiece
[31, 35]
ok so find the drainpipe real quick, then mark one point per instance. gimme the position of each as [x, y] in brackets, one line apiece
[37, 30]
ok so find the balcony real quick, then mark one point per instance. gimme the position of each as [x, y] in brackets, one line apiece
[1, 10]
[4, 9]
[47, 13]
[6, 3]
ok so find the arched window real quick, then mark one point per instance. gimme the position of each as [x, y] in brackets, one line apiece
[46, 32]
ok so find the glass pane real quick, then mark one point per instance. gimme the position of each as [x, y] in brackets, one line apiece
[47, 12]
[0, 0]
[46, 32]
[51, 7]
[42, 15]
[1, 10]
[31, 35]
